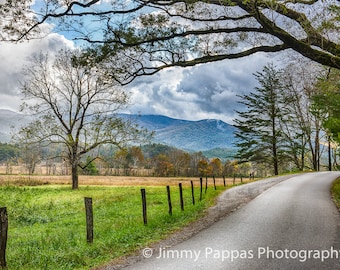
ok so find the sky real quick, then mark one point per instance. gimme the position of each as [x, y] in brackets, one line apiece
[13, 57]
[207, 91]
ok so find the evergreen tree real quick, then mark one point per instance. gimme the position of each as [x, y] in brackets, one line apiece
[259, 137]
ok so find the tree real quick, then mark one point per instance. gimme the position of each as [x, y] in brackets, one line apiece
[194, 161]
[163, 166]
[230, 168]
[75, 107]
[31, 156]
[8, 152]
[180, 161]
[303, 129]
[129, 158]
[157, 34]
[122, 160]
[90, 168]
[203, 167]
[327, 100]
[259, 138]
[216, 166]
[136, 155]
[326, 105]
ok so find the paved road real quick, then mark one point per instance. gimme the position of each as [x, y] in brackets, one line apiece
[292, 225]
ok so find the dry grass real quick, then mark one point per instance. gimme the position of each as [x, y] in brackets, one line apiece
[109, 180]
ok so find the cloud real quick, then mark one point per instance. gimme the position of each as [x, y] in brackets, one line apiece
[200, 92]
[12, 59]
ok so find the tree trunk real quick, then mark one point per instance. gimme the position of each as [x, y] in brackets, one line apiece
[329, 154]
[274, 144]
[317, 150]
[75, 184]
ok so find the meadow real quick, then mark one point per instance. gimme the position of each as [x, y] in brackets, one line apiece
[47, 228]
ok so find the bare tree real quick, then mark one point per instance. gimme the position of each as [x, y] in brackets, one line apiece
[304, 130]
[74, 106]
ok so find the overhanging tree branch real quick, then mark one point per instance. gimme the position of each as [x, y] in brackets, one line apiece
[155, 34]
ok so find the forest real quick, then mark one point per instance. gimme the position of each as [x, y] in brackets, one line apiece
[147, 160]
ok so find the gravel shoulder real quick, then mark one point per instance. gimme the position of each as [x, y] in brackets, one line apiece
[228, 202]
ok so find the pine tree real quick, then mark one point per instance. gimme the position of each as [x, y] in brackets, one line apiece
[259, 137]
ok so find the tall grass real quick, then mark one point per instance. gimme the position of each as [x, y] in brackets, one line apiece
[47, 227]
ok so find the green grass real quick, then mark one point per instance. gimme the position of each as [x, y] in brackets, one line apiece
[335, 190]
[47, 227]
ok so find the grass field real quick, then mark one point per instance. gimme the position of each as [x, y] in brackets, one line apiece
[106, 180]
[47, 227]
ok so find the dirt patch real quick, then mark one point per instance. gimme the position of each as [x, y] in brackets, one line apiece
[228, 202]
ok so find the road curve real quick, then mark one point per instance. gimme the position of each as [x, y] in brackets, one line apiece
[292, 225]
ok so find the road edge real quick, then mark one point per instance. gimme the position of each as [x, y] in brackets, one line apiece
[226, 203]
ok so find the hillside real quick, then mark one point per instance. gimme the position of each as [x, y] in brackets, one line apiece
[199, 135]
[203, 135]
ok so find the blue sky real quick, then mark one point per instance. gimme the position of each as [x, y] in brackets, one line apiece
[200, 92]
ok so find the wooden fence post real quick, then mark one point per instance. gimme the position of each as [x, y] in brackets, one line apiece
[169, 200]
[223, 180]
[3, 236]
[192, 192]
[145, 218]
[181, 196]
[89, 219]
[206, 184]
[214, 182]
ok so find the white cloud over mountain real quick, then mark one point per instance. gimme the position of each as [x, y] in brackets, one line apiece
[200, 92]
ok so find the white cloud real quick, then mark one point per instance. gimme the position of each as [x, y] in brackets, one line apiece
[12, 59]
[200, 92]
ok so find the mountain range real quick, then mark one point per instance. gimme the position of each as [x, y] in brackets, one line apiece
[188, 135]
[202, 135]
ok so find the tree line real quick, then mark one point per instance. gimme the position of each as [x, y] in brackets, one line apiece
[147, 160]
[290, 119]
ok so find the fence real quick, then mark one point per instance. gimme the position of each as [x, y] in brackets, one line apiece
[89, 210]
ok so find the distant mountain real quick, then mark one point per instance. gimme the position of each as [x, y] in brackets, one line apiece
[8, 121]
[203, 135]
